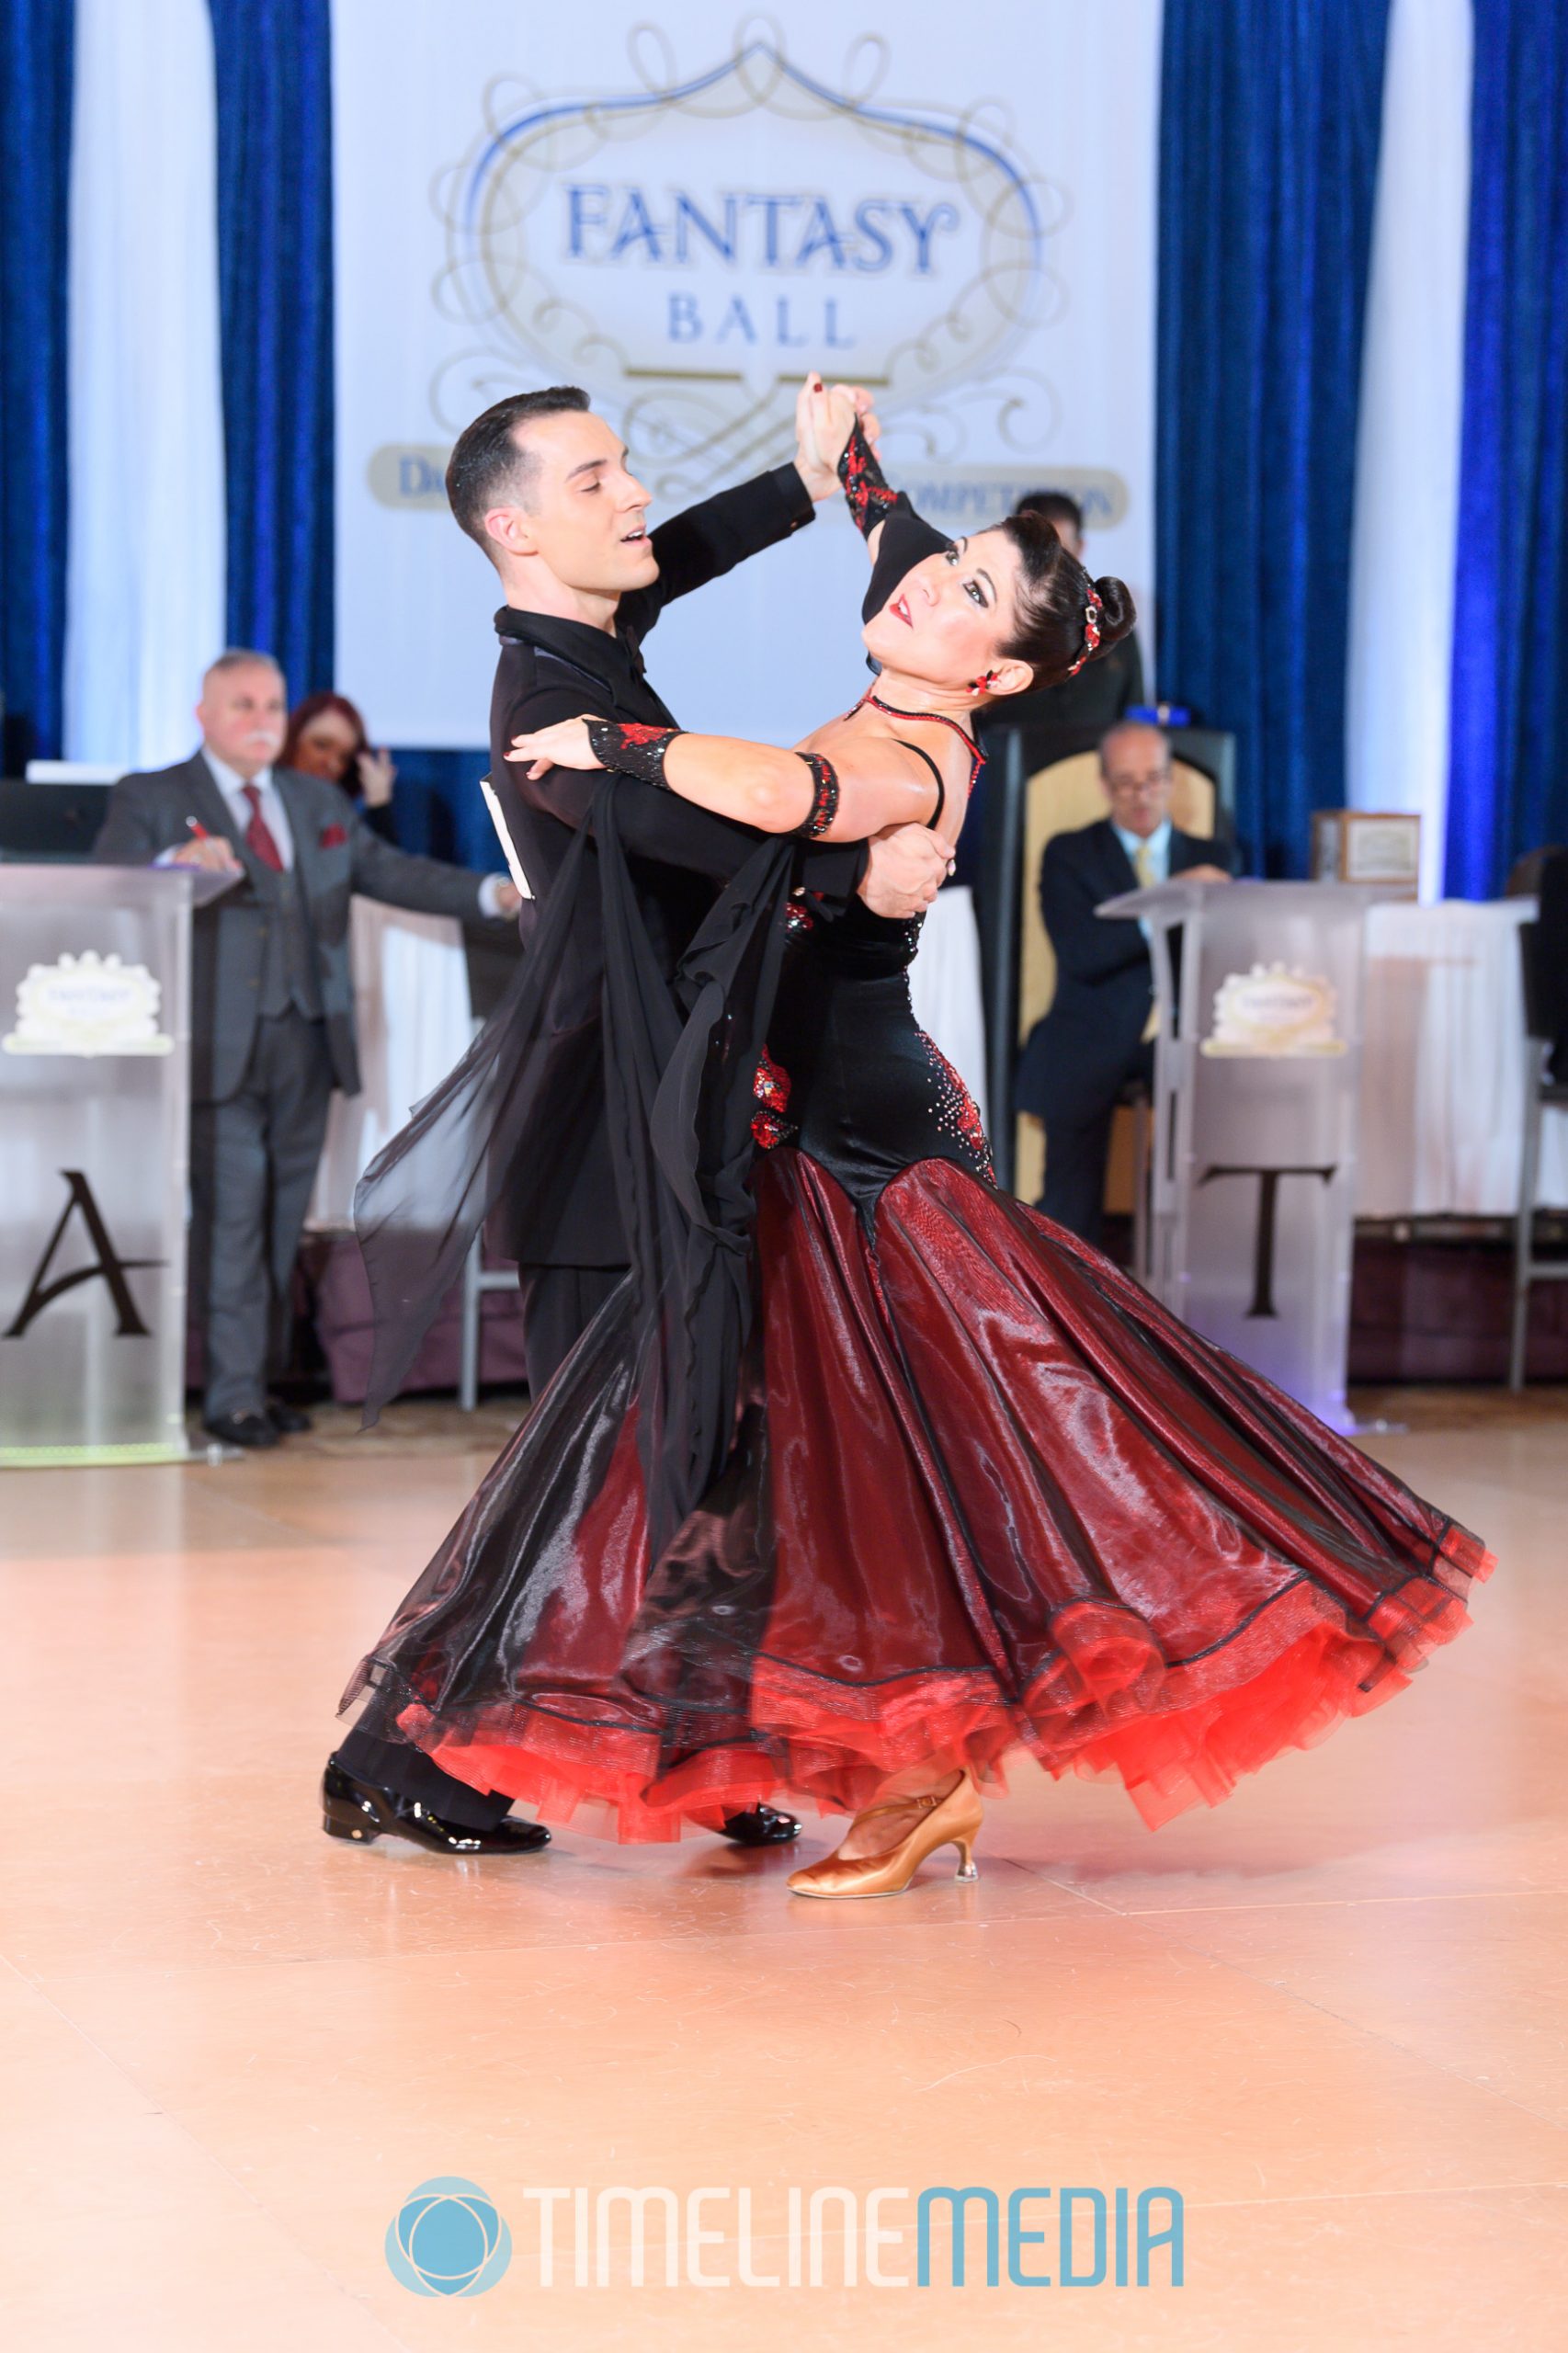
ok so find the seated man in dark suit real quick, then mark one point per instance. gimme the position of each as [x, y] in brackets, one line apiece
[1094, 1039]
[272, 1005]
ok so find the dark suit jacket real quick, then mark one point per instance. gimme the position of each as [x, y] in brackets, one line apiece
[336, 853]
[552, 669]
[1077, 1057]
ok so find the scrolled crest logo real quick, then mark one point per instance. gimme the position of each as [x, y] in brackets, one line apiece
[687, 245]
[87, 1005]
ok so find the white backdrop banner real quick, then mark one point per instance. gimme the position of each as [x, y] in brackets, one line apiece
[1407, 472]
[959, 213]
[145, 551]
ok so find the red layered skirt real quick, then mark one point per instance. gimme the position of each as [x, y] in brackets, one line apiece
[987, 1499]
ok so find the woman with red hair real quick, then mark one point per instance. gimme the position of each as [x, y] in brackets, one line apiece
[327, 737]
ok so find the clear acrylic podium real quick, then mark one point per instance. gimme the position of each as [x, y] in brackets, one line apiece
[1257, 1077]
[94, 1022]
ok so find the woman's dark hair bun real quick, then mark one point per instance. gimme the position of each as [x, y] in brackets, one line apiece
[1053, 602]
[1118, 608]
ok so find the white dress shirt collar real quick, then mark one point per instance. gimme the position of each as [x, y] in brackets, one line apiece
[229, 782]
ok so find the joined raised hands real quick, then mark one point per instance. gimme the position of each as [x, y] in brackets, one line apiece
[825, 418]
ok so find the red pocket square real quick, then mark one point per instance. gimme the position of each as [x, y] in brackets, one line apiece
[332, 838]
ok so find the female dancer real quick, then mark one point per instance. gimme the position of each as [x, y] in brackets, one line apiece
[869, 1475]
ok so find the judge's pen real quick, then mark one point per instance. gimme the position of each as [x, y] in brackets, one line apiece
[199, 833]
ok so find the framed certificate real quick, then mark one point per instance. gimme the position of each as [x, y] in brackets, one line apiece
[1380, 847]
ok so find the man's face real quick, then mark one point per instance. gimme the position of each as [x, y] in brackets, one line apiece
[585, 514]
[1135, 767]
[1071, 540]
[243, 714]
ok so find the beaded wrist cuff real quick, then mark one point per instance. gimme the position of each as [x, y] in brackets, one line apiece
[865, 486]
[631, 749]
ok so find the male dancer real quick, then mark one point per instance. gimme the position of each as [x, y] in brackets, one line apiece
[542, 485]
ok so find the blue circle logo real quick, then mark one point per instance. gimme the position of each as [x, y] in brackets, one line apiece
[447, 2239]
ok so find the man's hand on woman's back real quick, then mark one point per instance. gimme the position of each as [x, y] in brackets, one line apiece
[908, 866]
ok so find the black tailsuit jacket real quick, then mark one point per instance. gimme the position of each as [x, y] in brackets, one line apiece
[1076, 1058]
[335, 853]
[551, 670]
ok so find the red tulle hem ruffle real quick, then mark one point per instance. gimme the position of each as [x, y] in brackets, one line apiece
[1104, 1704]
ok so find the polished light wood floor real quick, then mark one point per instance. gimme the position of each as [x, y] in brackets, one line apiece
[1329, 2013]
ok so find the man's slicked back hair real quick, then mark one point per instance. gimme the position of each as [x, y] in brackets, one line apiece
[491, 467]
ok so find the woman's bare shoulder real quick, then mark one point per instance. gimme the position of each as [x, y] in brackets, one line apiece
[867, 724]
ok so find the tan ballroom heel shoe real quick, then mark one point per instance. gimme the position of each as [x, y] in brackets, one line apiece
[953, 1820]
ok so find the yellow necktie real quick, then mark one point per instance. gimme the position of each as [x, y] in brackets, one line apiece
[1144, 867]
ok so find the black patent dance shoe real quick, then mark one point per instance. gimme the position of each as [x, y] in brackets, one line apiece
[289, 1421]
[762, 1826]
[363, 1810]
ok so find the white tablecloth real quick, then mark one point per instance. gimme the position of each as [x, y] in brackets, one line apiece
[412, 1009]
[411, 996]
[1444, 1063]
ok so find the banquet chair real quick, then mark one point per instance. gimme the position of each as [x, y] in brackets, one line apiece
[1062, 799]
[1542, 1093]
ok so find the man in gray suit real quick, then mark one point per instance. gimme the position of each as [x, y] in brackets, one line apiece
[272, 1005]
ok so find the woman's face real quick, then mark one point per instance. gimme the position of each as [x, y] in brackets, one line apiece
[947, 618]
[328, 747]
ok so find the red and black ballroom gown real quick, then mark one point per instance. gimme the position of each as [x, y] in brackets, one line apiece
[984, 1496]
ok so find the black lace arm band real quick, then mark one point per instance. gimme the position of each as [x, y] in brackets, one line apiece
[824, 805]
[632, 749]
[865, 485]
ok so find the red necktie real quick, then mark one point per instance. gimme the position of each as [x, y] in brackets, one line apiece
[260, 840]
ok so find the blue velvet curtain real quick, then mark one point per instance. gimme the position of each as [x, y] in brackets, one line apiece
[1509, 769]
[273, 60]
[1270, 113]
[439, 809]
[36, 43]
